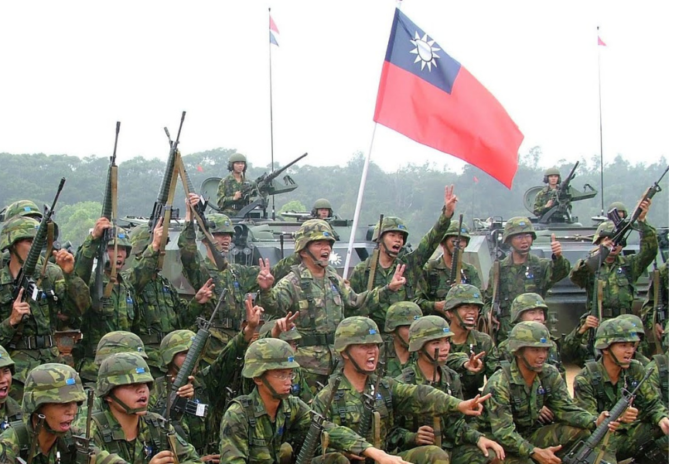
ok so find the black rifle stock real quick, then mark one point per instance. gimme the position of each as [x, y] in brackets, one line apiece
[583, 452]
[85, 453]
[317, 426]
[370, 417]
[456, 271]
[375, 256]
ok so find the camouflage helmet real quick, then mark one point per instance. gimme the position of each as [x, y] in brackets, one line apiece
[118, 341]
[605, 229]
[17, 228]
[322, 203]
[5, 360]
[619, 207]
[553, 171]
[23, 208]
[462, 294]
[518, 225]
[529, 333]
[235, 158]
[123, 240]
[51, 383]
[267, 354]
[356, 330]
[636, 321]
[615, 331]
[426, 329]
[122, 369]
[400, 314]
[453, 231]
[140, 239]
[219, 224]
[174, 343]
[526, 302]
[312, 231]
[390, 224]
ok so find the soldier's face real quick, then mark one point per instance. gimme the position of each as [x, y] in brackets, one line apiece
[403, 332]
[281, 380]
[553, 179]
[469, 314]
[179, 358]
[135, 395]
[624, 352]
[615, 250]
[536, 315]
[365, 356]
[120, 258]
[449, 243]
[5, 383]
[239, 166]
[535, 356]
[23, 246]
[443, 344]
[321, 251]
[322, 213]
[223, 241]
[59, 416]
[521, 243]
[393, 241]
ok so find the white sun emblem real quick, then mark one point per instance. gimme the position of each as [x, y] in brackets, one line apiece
[334, 259]
[425, 51]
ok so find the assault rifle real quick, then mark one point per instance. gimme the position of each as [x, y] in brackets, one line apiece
[437, 421]
[375, 255]
[594, 262]
[456, 271]
[583, 452]
[562, 197]
[85, 452]
[370, 410]
[495, 300]
[317, 427]
[659, 314]
[25, 277]
[263, 183]
[176, 406]
[97, 291]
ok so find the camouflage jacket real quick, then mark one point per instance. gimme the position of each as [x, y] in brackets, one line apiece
[10, 411]
[414, 262]
[394, 401]
[476, 342]
[393, 364]
[594, 392]
[620, 276]
[226, 190]
[659, 377]
[537, 275]
[248, 434]
[511, 413]
[58, 293]
[151, 439]
[454, 429]
[322, 304]
[554, 358]
[647, 312]
[542, 197]
[434, 285]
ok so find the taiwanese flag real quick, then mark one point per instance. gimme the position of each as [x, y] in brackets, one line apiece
[429, 97]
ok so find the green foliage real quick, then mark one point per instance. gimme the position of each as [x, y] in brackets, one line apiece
[293, 205]
[76, 220]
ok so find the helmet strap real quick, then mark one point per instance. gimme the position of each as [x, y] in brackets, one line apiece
[616, 360]
[430, 359]
[13, 251]
[529, 366]
[127, 409]
[314, 259]
[461, 321]
[389, 253]
[274, 393]
[355, 365]
[400, 338]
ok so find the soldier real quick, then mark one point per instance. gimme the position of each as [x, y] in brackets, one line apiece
[599, 385]
[436, 282]
[358, 342]
[391, 240]
[9, 407]
[399, 318]
[620, 208]
[52, 395]
[519, 391]
[429, 341]
[473, 354]
[532, 307]
[321, 296]
[124, 426]
[655, 315]
[547, 197]
[256, 425]
[231, 197]
[523, 272]
[618, 274]
[659, 378]
[638, 328]
[29, 321]
[322, 210]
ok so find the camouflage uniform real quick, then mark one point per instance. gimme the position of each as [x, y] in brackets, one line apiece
[476, 342]
[659, 377]
[127, 369]
[48, 383]
[236, 278]
[510, 415]
[249, 434]
[414, 262]
[31, 343]
[595, 392]
[436, 275]
[229, 185]
[537, 275]
[619, 277]
[542, 197]
[9, 407]
[647, 312]
[400, 314]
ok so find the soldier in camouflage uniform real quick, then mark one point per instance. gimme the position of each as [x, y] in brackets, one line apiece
[322, 298]
[9, 407]
[523, 272]
[520, 390]
[54, 392]
[659, 378]
[391, 240]
[230, 199]
[322, 210]
[358, 342]
[640, 330]
[436, 282]
[124, 426]
[473, 354]
[599, 385]
[399, 318]
[655, 320]
[29, 321]
[547, 197]
[620, 208]
[429, 341]
[256, 425]
[618, 273]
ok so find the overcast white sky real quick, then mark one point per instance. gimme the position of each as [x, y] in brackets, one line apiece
[71, 69]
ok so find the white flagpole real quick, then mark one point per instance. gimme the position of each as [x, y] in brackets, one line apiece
[358, 204]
